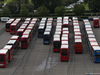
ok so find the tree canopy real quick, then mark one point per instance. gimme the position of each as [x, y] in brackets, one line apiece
[94, 5]
[79, 10]
[60, 10]
[50, 4]
[24, 11]
[42, 10]
[6, 12]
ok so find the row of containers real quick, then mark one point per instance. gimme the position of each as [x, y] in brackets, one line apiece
[45, 30]
[94, 48]
[22, 39]
[77, 36]
[61, 38]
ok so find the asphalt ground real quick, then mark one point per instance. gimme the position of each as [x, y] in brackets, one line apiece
[40, 59]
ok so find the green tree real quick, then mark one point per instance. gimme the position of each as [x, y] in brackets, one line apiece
[60, 10]
[42, 10]
[53, 4]
[1, 3]
[30, 7]
[6, 12]
[68, 2]
[13, 7]
[79, 10]
[86, 1]
[50, 4]
[94, 5]
[25, 1]
[24, 11]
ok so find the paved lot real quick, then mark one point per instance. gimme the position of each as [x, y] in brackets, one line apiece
[39, 59]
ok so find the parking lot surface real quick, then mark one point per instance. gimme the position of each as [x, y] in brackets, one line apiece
[40, 59]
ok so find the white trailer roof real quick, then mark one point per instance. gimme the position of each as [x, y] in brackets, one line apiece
[29, 27]
[49, 27]
[77, 37]
[92, 39]
[26, 22]
[77, 33]
[95, 18]
[11, 41]
[91, 36]
[93, 43]
[47, 30]
[65, 32]
[74, 18]
[78, 40]
[41, 27]
[28, 19]
[8, 47]
[46, 33]
[3, 51]
[76, 30]
[33, 22]
[25, 36]
[90, 32]
[23, 26]
[56, 39]
[59, 18]
[56, 36]
[20, 30]
[44, 19]
[65, 29]
[59, 24]
[14, 37]
[64, 46]
[64, 38]
[96, 48]
[58, 32]
[64, 42]
[26, 33]
[76, 27]
[64, 35]
[49, 24]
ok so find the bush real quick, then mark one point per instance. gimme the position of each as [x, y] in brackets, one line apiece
[79, 10]
[42, 10]
[6, 12]
[24, 12]
[13, 7]
[30, 7]
[60, 10]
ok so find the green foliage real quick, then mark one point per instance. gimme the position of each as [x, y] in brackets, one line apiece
[94, 5]
[1, 3]
[50, 4]
[68, 2]
[60, 10]
[42, 10]
[13, 7]
[24, 12]
[30, 7]
[6, 12]
[79, 10]
[86, 1]
[86, 6]
[7, 1]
